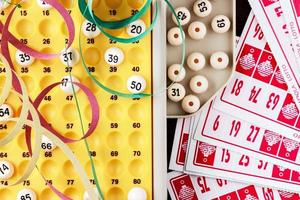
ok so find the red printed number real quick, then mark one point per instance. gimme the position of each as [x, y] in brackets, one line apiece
[258, 32]
[254, 94]
[203, 184]
[253, 133]
[244, 161]
[225, 156]
[235, 128]
[216, 123]
[262, 165]
[278, 11]
[221, 182]
[273, 101]
[236, 89]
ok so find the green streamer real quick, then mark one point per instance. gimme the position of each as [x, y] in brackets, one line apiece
[18, 5]
[83, 6]
[85, 140]
[126, 95]
[183, 47]
[110, 24]
[120, 24]
[129, 95]
[133, 39]
[98, 83]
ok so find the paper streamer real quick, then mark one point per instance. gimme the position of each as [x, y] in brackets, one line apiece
[24, 111]
[7, 84]
[94, 107]
[129, 95]
[24, 48]
[19, 86]
[68, 152]
[56, 191]
[8, 2]
[90, 16]
[183, 46]
[35, 123]
[93, 168]
[92, 99]
[17, 128]
[35, 119]
[127, 40]
[26, 104]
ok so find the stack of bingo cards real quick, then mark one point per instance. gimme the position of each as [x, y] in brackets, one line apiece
[209, 32]
[77, 118]
[244, 144]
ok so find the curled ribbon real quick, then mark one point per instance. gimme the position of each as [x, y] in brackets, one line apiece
[40, 130]
[5, 52]
[95, 114]
[6, 86]
[118, 24]
[26, 107]
[19, 86]
[35, 119]
[24, 48]
[93, 168]
[110, 24]
[140, 95]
